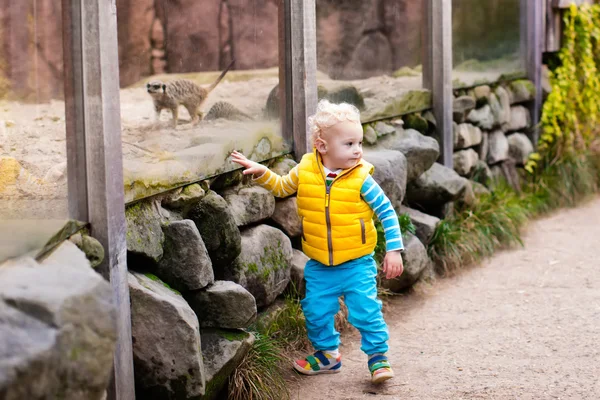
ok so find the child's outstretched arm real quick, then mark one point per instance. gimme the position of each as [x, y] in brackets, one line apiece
[382, 206]
[280, 186]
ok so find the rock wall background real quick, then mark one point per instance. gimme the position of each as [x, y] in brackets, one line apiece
[175, 36]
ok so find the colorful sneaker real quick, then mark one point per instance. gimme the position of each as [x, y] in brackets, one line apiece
[319, 363]
[380, 369]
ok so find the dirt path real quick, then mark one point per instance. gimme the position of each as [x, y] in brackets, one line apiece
[523, 325]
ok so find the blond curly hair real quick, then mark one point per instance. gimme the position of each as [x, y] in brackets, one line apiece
[329, 114]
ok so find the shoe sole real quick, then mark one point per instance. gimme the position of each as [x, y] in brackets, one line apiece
[303, 371]
[382, 377]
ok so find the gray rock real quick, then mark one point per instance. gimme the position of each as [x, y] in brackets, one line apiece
[482, 117]
[463, 104]
[415, 260]
[520, 119]
[466, 135]
[144, 233]
[223, 305]
[390, 173]
[482, 94]
[497, 111]
[263, 267]
[420, 151]
[286, 216]
[250, 204]
[222, 350]
[370, 136]
[498, 147]
[299, 261]
[484, 147]
[417, 122]
[383, 129]
[183, 197]
[464, 161]
[425, 224]
[521, 90]
[216, 224]
[185, 264]
[481, 172]
[91, 247]
[468, 197]
[437, 186]
[283, 166]
[166, 342]
[479, 189]
[58, 330]
[519, 148]
[429, 117]
[504, 116]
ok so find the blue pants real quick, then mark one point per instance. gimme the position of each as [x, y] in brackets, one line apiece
[356, 281]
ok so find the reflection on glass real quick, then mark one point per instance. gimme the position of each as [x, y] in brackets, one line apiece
[33, 170]
[369, 54]
[485, 41]
[214, 66]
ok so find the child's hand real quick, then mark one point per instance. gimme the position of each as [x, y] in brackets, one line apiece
[392, 264]
[252, 167]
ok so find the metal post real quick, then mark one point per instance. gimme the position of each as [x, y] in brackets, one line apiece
[95, 166]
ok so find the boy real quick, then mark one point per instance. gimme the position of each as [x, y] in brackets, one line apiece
[337, 198]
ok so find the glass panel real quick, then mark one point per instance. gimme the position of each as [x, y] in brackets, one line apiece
[161, 43]
[486, 40]
[369, 54]
[33, 170]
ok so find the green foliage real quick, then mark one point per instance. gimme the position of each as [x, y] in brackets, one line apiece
[571, 113]
[472, 233]
[495, 221]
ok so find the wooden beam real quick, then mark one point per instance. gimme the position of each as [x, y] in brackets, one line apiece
[301, 66]
[94, 143]
[533, 63]
[437, 72]
[567, 3]
[73, 86]
[552, 27]
[285, 72]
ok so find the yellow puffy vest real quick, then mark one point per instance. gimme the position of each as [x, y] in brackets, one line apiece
[337, 224]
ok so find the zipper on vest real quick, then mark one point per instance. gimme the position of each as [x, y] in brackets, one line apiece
[327, 201]
[328, 221]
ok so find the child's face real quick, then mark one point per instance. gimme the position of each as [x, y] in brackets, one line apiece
[343, 147]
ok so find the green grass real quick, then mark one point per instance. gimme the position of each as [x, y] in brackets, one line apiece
[495, 222]
[259, 376]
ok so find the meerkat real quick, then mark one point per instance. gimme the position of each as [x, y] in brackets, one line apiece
[223, 109]
[184, 92]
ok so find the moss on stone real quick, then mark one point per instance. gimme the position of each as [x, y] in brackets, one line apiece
[157, 279]
[412, 101]
[415, 121]
[405, 71]
[232, 334]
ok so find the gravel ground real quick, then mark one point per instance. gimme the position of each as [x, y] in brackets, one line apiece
[522, 325]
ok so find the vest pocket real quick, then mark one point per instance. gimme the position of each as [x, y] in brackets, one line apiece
[302, 228]
[363, 233]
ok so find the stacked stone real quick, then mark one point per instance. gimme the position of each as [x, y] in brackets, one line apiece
[490, 127]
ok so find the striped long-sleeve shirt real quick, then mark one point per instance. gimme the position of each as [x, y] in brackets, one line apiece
[283, 186]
